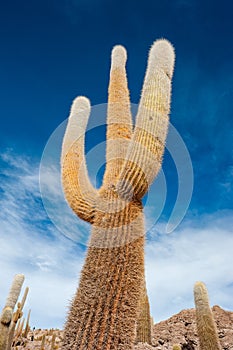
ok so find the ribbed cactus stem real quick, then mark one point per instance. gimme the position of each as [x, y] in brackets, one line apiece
[206, 327]
[144, 320]
[108, 293]
[104, 310]
[7, 313]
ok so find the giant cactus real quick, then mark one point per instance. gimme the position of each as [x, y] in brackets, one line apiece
[105, 308]
[206, 327]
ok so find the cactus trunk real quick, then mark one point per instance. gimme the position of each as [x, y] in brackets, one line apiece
[110, 302]
[108, 292]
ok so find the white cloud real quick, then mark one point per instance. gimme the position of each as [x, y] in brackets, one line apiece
[31, 245]
[175, 262]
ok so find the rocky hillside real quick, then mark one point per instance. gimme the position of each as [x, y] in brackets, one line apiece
[179, 329]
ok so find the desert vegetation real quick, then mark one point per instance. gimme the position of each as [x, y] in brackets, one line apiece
[180, 332]
[111, 310]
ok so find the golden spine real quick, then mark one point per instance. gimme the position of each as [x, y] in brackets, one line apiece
[206, 327]
[104, 310]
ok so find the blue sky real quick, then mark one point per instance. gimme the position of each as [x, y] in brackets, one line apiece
[52, 51]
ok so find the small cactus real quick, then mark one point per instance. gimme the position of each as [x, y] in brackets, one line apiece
[7, 313]
[42, 346]
[152, 322]
[206, 327]
[16, 317]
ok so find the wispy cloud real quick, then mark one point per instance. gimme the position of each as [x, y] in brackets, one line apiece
[201, 249]
[30, 244]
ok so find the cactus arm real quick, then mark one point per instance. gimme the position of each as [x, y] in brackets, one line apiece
[119, 120]
[144, 155]
[78, 189]
[206, 327]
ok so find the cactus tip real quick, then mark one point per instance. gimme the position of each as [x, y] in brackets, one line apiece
[163, 55]
[119, 56]
[80, 103]
[199, 284]
[20, 277]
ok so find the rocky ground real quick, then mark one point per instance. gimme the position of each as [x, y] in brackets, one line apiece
[179, 329]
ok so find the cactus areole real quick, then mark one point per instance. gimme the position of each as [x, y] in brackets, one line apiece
[104, 310]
